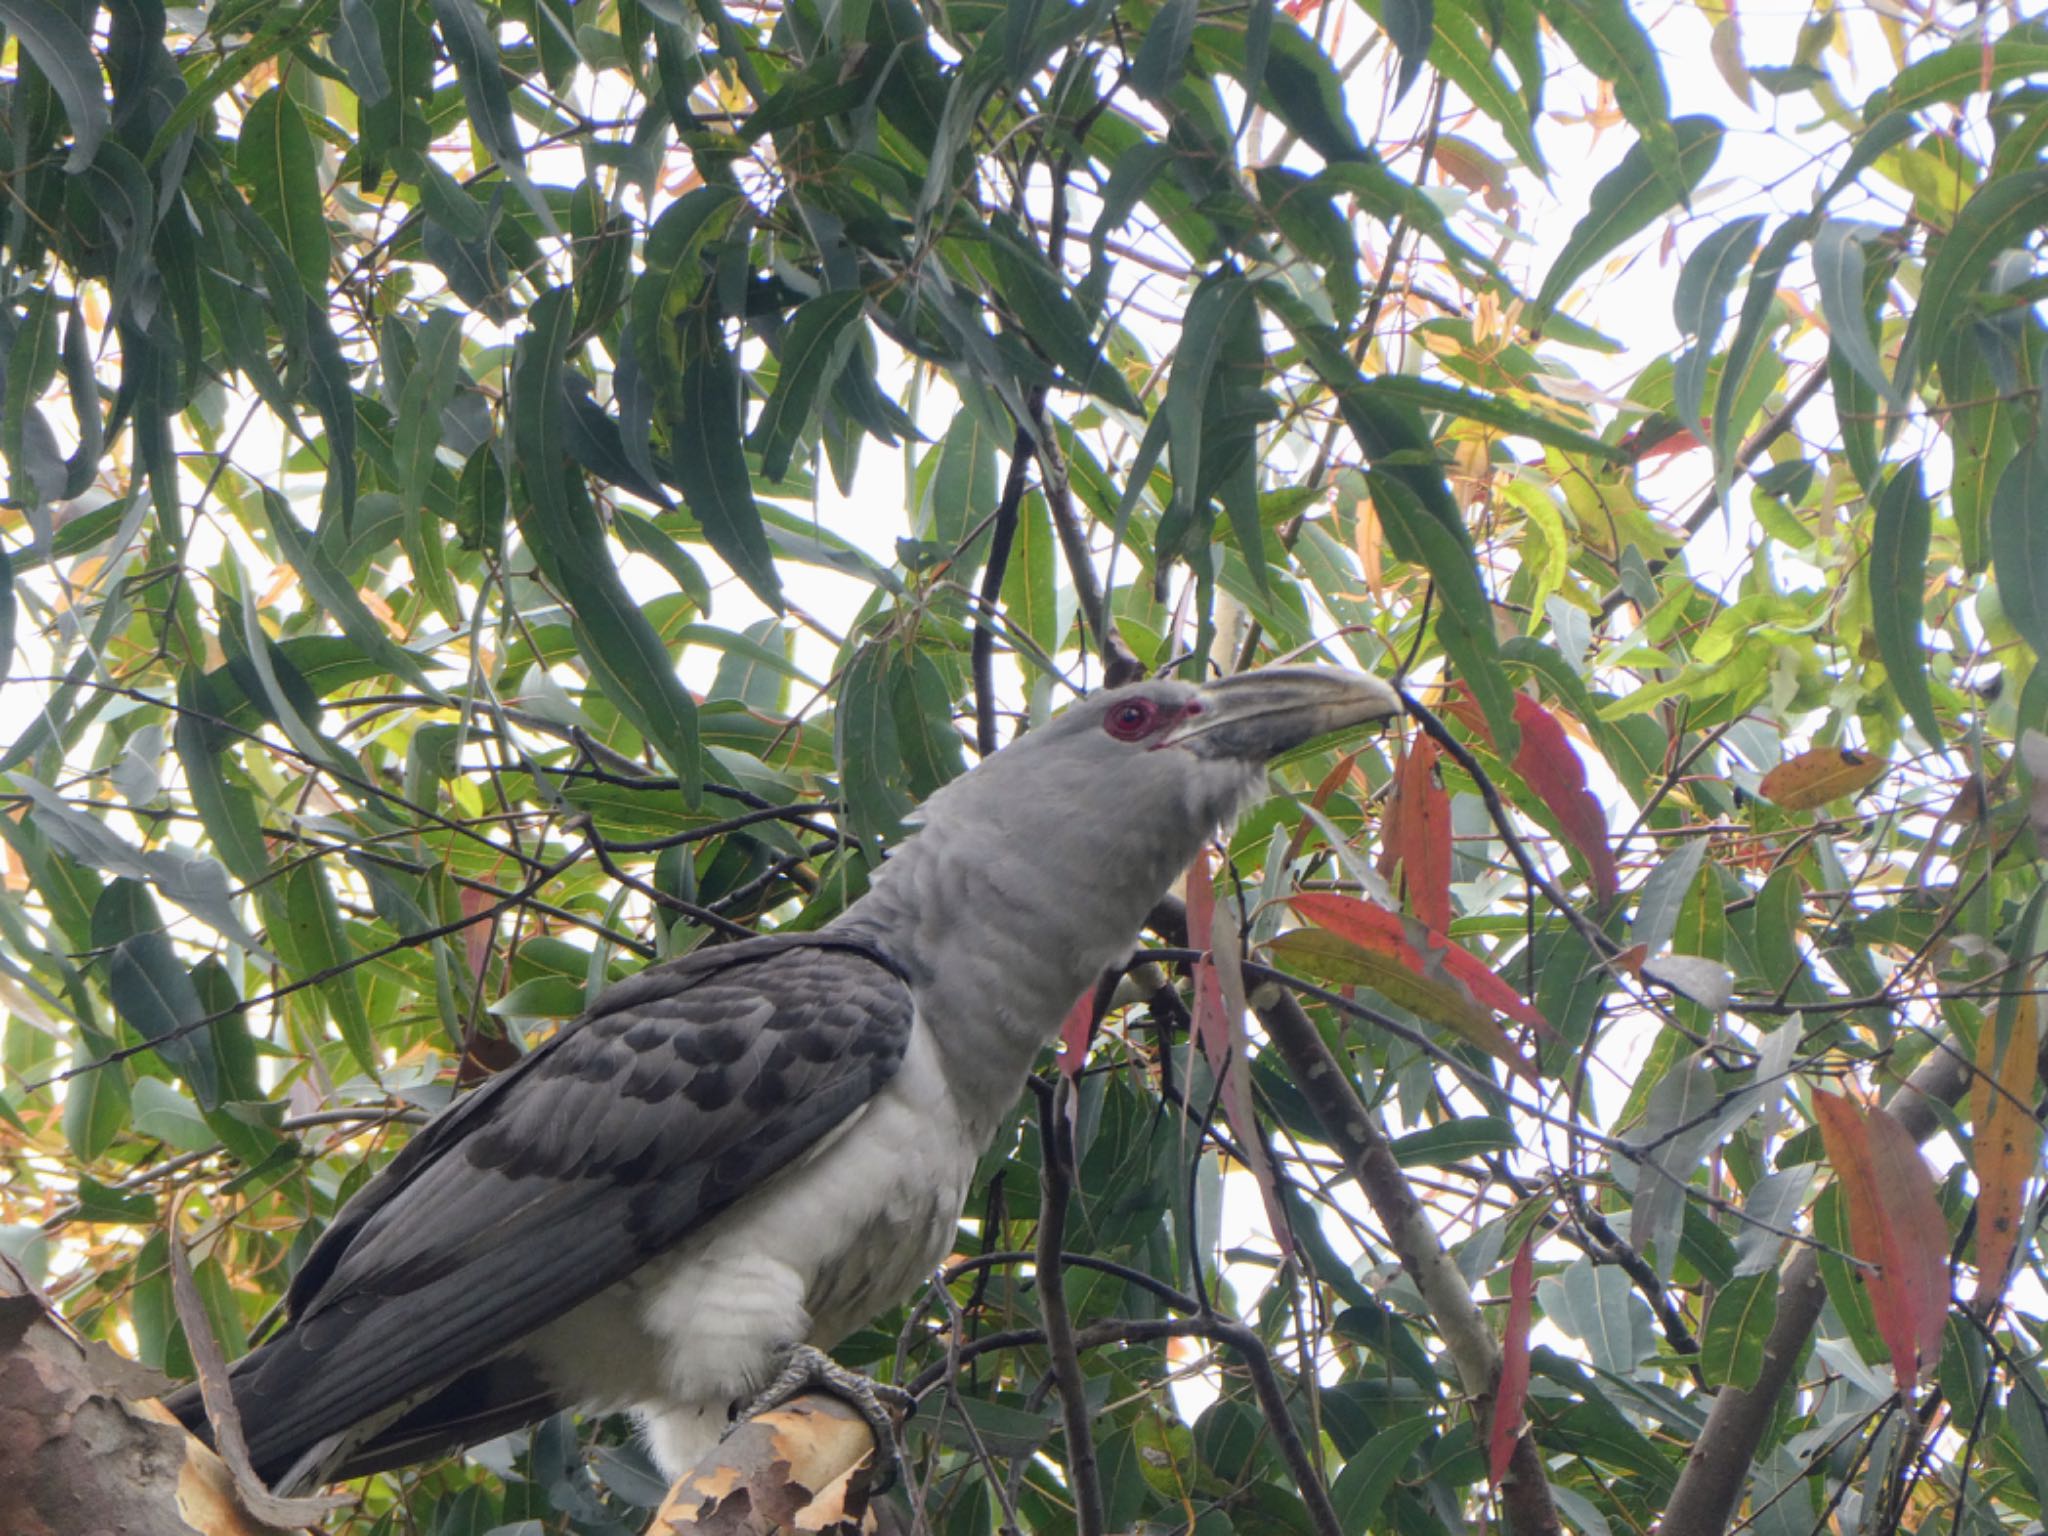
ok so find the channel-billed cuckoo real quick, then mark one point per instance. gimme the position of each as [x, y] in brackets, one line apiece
[736, 1158]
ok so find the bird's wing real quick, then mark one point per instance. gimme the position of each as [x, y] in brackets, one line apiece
[683, 1089]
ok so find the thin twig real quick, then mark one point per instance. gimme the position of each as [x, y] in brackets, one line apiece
[983, 650]
[218, 1394]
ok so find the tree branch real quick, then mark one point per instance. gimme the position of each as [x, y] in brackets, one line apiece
[1349, 1128]
[801, 1467]
[982, 653]
[1055, 1184]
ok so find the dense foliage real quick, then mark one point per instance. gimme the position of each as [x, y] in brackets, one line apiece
[446, 446]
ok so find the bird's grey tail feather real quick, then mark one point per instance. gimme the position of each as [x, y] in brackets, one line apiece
[480, 1405]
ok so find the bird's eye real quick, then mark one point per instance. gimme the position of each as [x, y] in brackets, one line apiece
[1131, 719]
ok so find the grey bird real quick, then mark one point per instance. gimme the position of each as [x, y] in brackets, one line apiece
[738, 1157]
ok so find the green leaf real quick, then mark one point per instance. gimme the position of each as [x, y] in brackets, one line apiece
[864, 745]
[705, 448]
[626, 656]
[6, 616]
[542, 997]
[755, 668]
[314, 944]
[151, 988]
[1611, 43]
[1699, 305]
[1454, 1141]
[1030, 591]
[1370, 1474]
[1411, 24]
[226, 809]
[1624, 202]
[1596, 1305]
[1487, 410]
[1464, 615]
[1299, 84]
[2019, 540]
[359, 50]
[275, 160]
[1462, 56]
[1749, 328]
[416, 432]
[331, 591]
[1048, 315]
[1738, 1324]
[30, 365]
[160, 1111]
[479, 68]
[64, 54]
[926, 740]
[1216, 316]
[812, 354]
[1962, 69]
[1901, 528]
[1162, 55]
[1842, 1276]
[1999, 216]
[1838, 264]
[95, 1097]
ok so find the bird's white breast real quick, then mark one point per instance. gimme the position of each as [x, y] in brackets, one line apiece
[851, 1230]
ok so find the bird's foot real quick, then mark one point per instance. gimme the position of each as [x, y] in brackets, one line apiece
[803, 1369]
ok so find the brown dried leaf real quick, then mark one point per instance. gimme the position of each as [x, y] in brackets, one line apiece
[1814, 778]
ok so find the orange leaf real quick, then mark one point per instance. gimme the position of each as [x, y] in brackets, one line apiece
[2006, 1142]
[1514, 1367]
[1814, 778]
[1415, 833]
[1550, 765]
[1896, 1225]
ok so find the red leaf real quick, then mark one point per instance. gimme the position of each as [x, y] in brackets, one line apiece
[1514, 1368]
[1369, 924]
[1218, 1026]
[1076, 1031]
[1415, 833]
[1550, 765]
[1917, 1256]
[1896, 1225]
[1211, 1028]
[476, 936]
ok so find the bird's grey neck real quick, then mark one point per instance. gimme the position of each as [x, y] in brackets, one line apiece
[996, 956]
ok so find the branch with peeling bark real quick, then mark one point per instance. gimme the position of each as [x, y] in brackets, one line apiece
[81, 1446]
[803, 1467]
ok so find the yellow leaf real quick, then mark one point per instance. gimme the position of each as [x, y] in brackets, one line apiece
[2005, 1142]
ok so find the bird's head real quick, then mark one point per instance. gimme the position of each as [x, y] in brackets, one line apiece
[1139, 777]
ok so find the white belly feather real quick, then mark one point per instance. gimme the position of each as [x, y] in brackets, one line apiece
[848, 1232]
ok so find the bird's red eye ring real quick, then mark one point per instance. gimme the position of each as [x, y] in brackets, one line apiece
[1130, 720]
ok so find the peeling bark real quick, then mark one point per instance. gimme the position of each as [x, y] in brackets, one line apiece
[84, 1452]
[801, 1470]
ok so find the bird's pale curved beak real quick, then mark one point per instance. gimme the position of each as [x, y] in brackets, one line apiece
[1256, 716]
